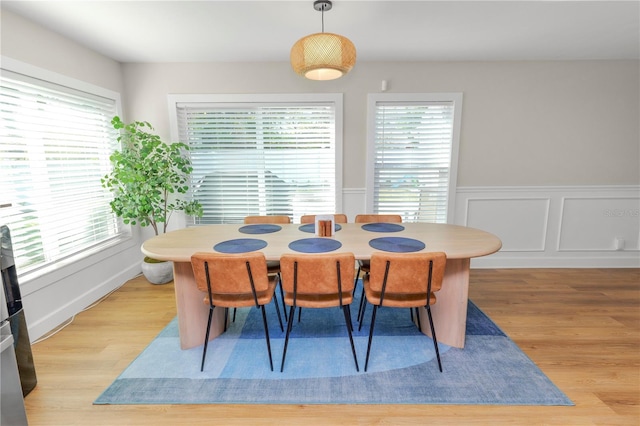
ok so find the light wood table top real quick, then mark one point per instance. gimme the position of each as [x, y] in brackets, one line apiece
[458, 242]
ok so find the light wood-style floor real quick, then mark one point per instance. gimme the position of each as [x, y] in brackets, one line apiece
[580, 326]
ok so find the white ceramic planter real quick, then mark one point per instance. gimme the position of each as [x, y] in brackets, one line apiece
[158, 273]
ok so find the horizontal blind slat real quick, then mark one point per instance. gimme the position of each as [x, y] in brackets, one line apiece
[260, 158]
[54, 148]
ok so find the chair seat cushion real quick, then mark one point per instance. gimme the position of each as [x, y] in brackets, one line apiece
[397, 300]
[318, 301]
[234, 300]
[273, 267]
[364, 265]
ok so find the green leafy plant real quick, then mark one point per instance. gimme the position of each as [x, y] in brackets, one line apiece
[148, 176]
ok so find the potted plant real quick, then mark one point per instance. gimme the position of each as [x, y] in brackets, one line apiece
[147, 178]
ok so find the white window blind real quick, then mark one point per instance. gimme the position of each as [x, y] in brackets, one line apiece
[55, 144]
[260, 158]
[414, 148]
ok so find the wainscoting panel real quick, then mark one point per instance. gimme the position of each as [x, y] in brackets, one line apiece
[555, 227]
[546, 227]
[595, 223]
[521, 223]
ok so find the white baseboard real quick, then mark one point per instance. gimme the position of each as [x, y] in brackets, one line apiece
[74, 305]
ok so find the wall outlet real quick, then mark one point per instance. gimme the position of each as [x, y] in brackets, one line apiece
[618, 243]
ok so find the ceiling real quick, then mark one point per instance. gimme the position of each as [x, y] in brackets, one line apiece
[258, 31]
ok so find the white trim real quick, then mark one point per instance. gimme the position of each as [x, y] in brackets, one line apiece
[79, 302]
[555, 216]
[33, 71]
[334, 98]
[456, 98]
[545, 225]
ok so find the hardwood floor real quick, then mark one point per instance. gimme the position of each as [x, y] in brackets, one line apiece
[580, 326]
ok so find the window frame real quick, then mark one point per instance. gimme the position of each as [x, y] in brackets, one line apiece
[336, 99]
[372, 100]
[59, 81]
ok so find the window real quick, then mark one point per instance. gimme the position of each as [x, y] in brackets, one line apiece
[55, 143]
[412, 155]
[261, 154]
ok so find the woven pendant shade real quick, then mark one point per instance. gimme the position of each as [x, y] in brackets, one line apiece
[323, 56]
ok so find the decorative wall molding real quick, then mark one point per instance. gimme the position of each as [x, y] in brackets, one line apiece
[547, 226]
[521, 222]
[555, 226]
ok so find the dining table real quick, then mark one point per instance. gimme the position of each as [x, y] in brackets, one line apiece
[460, 243]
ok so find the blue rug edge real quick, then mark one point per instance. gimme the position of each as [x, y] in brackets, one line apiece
[562, 399]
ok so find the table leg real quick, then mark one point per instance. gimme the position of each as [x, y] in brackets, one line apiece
[192, 312]
[450, 310]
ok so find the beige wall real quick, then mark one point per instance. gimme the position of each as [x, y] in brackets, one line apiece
[523, 123]
[28, 42]
[51, 297]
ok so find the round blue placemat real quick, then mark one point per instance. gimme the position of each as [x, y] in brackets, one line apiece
[314, 245]
[311, 227]
[240, 245]
[260, 228]
[397, 244]
[382, 227]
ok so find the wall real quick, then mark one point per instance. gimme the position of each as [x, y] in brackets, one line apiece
[523, 123]
[51, 297]
[542, 131]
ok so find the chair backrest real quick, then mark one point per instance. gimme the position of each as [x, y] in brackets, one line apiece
[267, 219]
[371, 218]
[406, 273]
[319, 274]
[230, 273]
[311, 218]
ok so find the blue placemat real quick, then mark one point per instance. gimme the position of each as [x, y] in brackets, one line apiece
[315, 245]
[382, 227]
[311, 227]
[240, 245]
[260, 228]
[397, 244]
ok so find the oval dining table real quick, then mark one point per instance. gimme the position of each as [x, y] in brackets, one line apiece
[460, 243]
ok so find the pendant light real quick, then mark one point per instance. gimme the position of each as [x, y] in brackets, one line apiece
[323, 56]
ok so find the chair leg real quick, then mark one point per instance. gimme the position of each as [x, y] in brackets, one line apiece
[418, 318]
[226, 316]
[363, 308]
[284, 307]
[206, 338]
[234, 314]
[278, 312]
[299, 313]
[347, 320]
[433, 333]
[373, 323]
[266, 335]
[355, 281]
[286, 339]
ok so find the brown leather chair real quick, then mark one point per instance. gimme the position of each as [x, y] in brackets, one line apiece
[363, 265]
[273, 266]
[267, 219]
[404, 280]
[318, 281]
[311, 218]
[234, 281]
[378, 218]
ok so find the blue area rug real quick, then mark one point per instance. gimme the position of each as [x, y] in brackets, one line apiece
[319, 367]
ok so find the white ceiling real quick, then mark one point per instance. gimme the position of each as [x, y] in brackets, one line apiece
[210, 31]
